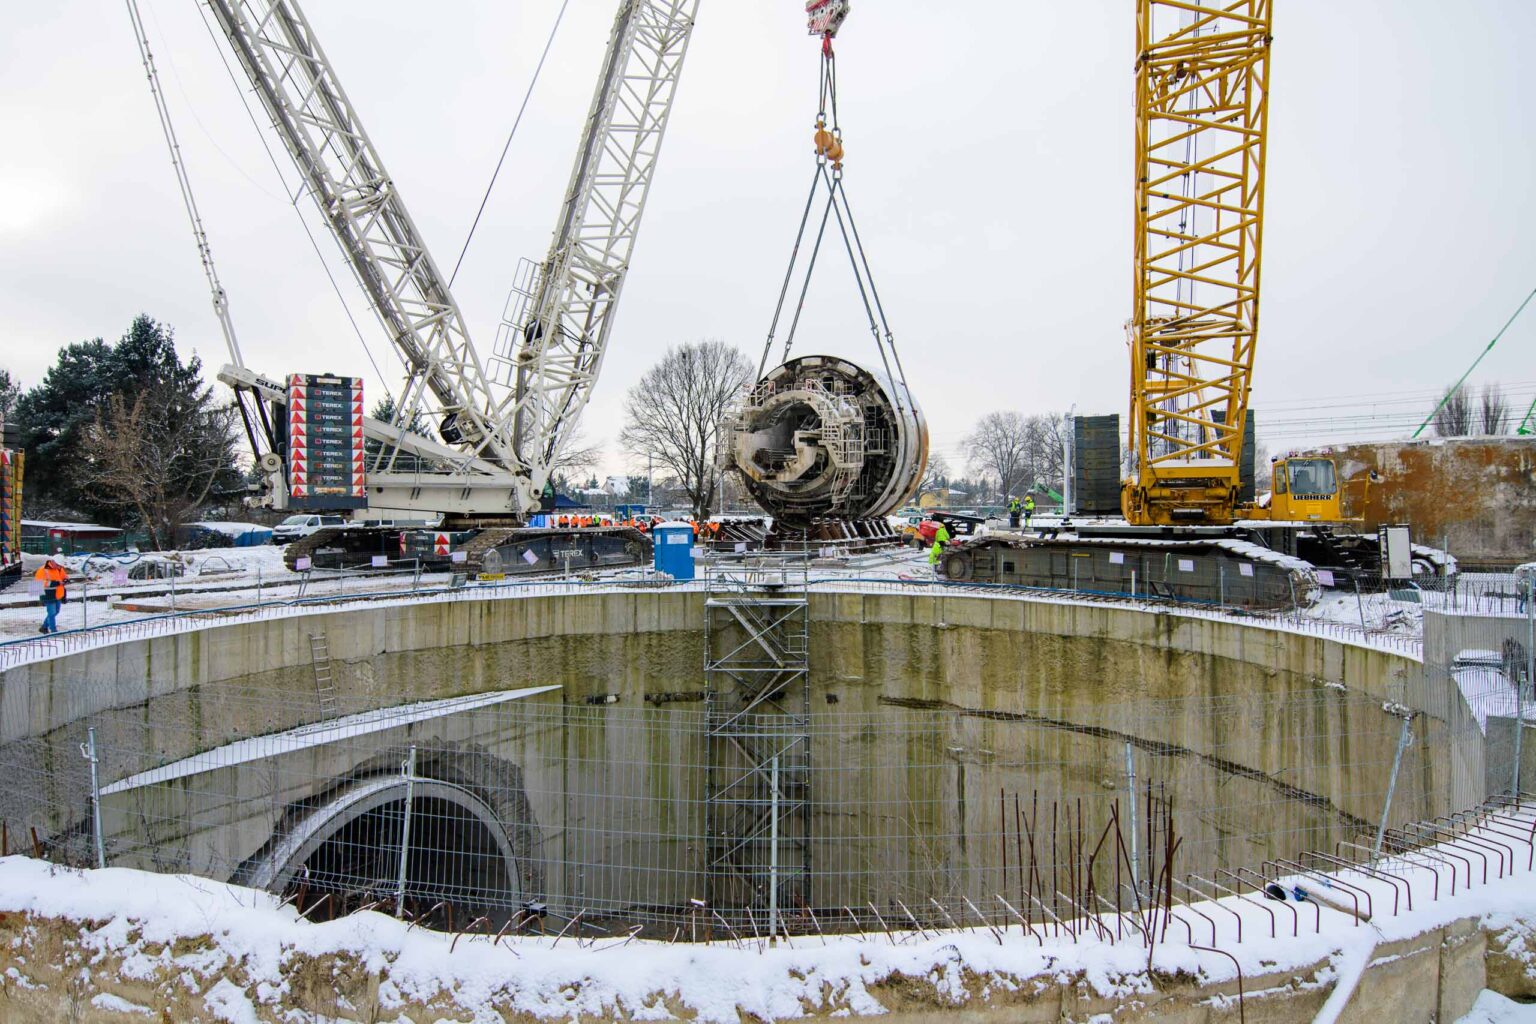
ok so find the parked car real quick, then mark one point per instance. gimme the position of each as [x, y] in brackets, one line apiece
[302, 525]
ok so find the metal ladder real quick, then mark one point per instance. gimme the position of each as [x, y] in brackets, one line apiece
[325, 679]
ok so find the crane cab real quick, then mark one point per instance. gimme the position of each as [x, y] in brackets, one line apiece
[1305, 490]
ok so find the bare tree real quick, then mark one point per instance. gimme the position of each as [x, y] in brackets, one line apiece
[936, 473]
[1000, 445]
[1493, 411]
[1044, 458]
[161, 455]
[1454, 416]
[673, 414]
[575, 456]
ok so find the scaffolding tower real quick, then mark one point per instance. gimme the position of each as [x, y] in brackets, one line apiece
[757, 703]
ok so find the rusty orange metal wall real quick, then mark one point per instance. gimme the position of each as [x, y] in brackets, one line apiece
[1477, 494]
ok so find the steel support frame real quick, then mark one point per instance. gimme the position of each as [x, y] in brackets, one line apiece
[1202, 87]
[757, 715]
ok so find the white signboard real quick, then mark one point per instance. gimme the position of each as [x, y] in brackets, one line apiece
[1186, 565]
[741, 548]
[381, 561]
[528, 556]
[1325, 577]
[1396, 552]
[1117, 558]
[459, 556]
[679, 537]
[1245, 569]
[302, 563]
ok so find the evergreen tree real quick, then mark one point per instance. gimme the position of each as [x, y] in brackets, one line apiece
[10, 393]
[57, 416]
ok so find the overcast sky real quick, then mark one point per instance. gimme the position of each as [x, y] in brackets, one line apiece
[989, 163]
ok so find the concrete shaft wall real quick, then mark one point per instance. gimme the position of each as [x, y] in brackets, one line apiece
[995, 682]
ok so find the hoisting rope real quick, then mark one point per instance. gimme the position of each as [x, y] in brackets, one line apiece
[826, 16]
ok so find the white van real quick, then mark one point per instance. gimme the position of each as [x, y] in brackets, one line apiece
[303, 525]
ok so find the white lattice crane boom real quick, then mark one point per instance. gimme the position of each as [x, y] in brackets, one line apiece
[552, 345]
[503, 423]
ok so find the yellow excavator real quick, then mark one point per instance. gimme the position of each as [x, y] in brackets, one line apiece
[1190, 528]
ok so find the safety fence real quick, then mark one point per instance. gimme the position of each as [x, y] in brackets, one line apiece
[518, 809]
[1370, 610]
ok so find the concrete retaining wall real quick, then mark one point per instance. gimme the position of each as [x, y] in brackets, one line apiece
[1204, 703]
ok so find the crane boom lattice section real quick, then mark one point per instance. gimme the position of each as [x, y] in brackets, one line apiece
[1201, 94]
[345, 176]
[558, 319]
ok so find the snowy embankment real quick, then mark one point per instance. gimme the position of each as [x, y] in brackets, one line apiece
[132, 942]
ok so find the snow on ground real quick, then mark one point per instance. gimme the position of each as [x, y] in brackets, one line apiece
[213, 578]
[254, 941]
[1487, 689]
[1492, 1008]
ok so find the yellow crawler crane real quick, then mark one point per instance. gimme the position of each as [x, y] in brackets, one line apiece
[1188, 534]
[1202, 105]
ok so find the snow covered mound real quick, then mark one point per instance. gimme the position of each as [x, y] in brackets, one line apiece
[184, 948]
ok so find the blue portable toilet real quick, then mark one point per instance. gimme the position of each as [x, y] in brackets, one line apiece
[673, 544]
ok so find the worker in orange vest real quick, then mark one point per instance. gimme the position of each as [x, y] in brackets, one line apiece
[52, 576]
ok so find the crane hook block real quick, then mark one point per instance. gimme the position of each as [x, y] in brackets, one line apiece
[826, 16]
[828, 145]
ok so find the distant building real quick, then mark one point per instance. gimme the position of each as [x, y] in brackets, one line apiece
[942, 497]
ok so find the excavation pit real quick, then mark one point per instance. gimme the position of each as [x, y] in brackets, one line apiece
[967, 758]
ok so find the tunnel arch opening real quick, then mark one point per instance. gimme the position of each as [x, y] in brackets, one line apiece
[345, 855]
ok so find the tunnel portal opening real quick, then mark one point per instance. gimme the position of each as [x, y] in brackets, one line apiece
[460, 866]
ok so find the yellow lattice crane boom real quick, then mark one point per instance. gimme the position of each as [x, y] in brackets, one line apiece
[1202, 90]
[1190, 532]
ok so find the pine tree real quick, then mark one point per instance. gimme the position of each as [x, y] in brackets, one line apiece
[57, 417]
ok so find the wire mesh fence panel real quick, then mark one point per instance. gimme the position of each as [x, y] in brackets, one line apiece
[529, 809]
[515, 809]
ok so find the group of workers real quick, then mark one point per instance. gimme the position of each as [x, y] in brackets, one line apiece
[1015, 507]
[709, 530]
[578, 522]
